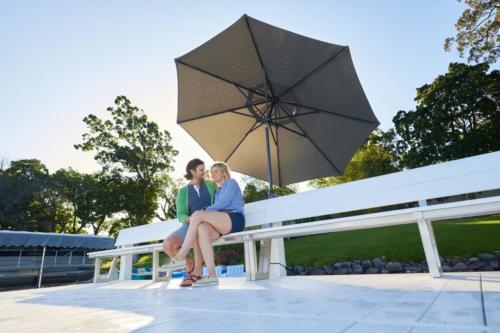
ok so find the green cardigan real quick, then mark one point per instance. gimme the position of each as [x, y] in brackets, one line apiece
[182, 200]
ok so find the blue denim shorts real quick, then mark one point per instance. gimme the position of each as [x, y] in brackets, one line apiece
[237, 222]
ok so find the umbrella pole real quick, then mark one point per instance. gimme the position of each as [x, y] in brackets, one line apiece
[269, 169]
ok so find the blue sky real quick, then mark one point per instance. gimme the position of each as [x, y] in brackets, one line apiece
[61, 60]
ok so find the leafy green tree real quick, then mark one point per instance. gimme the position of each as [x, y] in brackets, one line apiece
[131, 145]
[168, 197]
[456, 116]
[477, 31]
[256, 190]
[93, 199]
[374, 158]
[30, 198]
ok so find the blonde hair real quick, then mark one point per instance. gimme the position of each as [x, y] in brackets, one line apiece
[224, 168]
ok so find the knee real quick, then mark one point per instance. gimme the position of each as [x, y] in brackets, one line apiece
[203, 227]
[169, 248]
[196, 217]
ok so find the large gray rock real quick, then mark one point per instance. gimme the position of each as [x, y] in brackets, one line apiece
[317, 271]
[357, 269]
[366, 263]
[394, 267]
[473, 260]
[447, 268]
[494, 264]
[372, 270]
[298, 269]
[337, 265]
[379, 263]
[341, 271]
[459, 267]
[329, 269]
[487, 257]
[347, 264]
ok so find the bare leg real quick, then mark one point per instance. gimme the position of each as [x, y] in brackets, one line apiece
[172, 245]
[206, 235]
[198, 258]
[220, 221]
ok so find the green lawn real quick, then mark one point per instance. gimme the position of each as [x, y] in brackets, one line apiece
[458, 237]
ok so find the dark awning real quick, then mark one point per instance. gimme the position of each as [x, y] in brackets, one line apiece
[36, 239]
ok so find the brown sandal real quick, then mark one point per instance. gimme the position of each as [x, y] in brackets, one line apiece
[189, 279]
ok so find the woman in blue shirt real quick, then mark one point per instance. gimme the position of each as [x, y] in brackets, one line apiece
[225, 216]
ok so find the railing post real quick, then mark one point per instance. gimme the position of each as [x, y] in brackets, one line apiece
[278, 260]
[430, 246]
[250, 260]
[97, 269]
[125, 266]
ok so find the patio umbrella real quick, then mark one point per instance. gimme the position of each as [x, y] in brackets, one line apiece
[273, 104]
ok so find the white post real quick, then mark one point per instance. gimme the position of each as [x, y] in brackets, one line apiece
[250, 260]
[41, 269]
[423, 203]
[264, 258]
[97, 269]
[125, 266]
[278, 260]
[155, 264]
[112, 270]
[430, 248]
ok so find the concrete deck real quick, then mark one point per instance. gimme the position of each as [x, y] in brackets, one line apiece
[457, 302]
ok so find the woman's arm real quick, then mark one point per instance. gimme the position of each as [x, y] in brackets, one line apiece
[231, 189]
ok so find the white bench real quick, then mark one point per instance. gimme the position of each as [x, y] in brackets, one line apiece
[476, 174]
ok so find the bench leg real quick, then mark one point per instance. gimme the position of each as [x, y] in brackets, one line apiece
[156, 264]
[112, 269]
[250, 260]
[430, 246]
[264, 259]
[125, 268]
[97, 269]
[277, 257]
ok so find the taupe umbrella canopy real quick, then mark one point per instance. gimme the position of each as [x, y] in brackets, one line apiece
[255, 78]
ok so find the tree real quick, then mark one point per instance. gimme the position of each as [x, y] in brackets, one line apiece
[92, 198]
[376, 157]
[135, 148]
[30, 198]
[256, 190]
[477, 31]
[456, 116]
[168, 197]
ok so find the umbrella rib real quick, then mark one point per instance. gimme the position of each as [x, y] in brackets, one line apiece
[253, 128]
[331, 113]
[258, 55]
[297, 115]
[243, 114]
[220, 112]
[313, 71]
[218, 77]
[283, 107]
[249, 100]
[289, 129]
